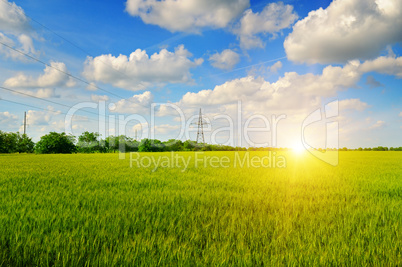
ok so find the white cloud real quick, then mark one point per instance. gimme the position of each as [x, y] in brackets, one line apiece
[26, 46]
[378, 125]
[35, 117]
[225, 60]
[136, 104]
[139, 71]
[291, 92]
[352, 104]
[14, 27]
[187, 15]
[385, 65]
[97, 98]
[346, 29]
[400, 114]
[51, 78]
[273, 18]
[277, 66]
[12, 18]
[6, 51]
[7, 119]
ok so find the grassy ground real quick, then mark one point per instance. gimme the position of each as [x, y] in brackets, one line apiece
[95, 210]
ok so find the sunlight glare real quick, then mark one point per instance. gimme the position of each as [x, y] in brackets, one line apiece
[298, 148]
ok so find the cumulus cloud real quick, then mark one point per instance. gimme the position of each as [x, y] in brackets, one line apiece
[291, 93]
[352, 104]
[400, 114]
[25, 45]
[139, 71]
[15, 28]
[13, 18]
[52, 77]
[272, 19]
[345, 30]
[386, 65]
[136, 104]
[225, 60]
[185, 15]
[295, 95]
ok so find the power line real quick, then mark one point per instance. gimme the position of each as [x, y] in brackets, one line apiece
[70, 75]
[27, 105]
[65, 39]
[79, 48]
[48, 110]
[53, 102]
[50, 101]
[112, 67]
[64, 72]
[88, 53]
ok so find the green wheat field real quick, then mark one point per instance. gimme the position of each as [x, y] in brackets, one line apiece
[94, 209]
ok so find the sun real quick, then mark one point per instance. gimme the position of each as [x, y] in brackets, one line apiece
[298, 148]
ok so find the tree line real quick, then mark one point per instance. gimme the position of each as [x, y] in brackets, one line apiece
[90, 142]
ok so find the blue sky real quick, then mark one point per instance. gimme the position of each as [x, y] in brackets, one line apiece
[289, 57]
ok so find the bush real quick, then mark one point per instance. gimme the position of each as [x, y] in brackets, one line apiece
[54, 143]
[15, 143]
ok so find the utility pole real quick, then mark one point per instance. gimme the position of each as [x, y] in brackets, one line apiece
[135, 135]
[25, 123]
[200, 132]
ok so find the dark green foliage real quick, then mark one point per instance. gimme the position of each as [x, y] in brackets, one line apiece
[56, 143]
[15, 143]
[121, 143]
[173, 145]
[189, 145]
[150, 145]
[90, 143]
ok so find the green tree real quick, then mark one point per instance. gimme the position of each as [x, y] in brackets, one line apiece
[55, 143]
[112, 142]
[15, 143]
[173, 145]
[25, 144]
[145, 145]
[189, 145]
[88, 142]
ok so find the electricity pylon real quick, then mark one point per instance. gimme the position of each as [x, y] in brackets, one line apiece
[200, 133]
